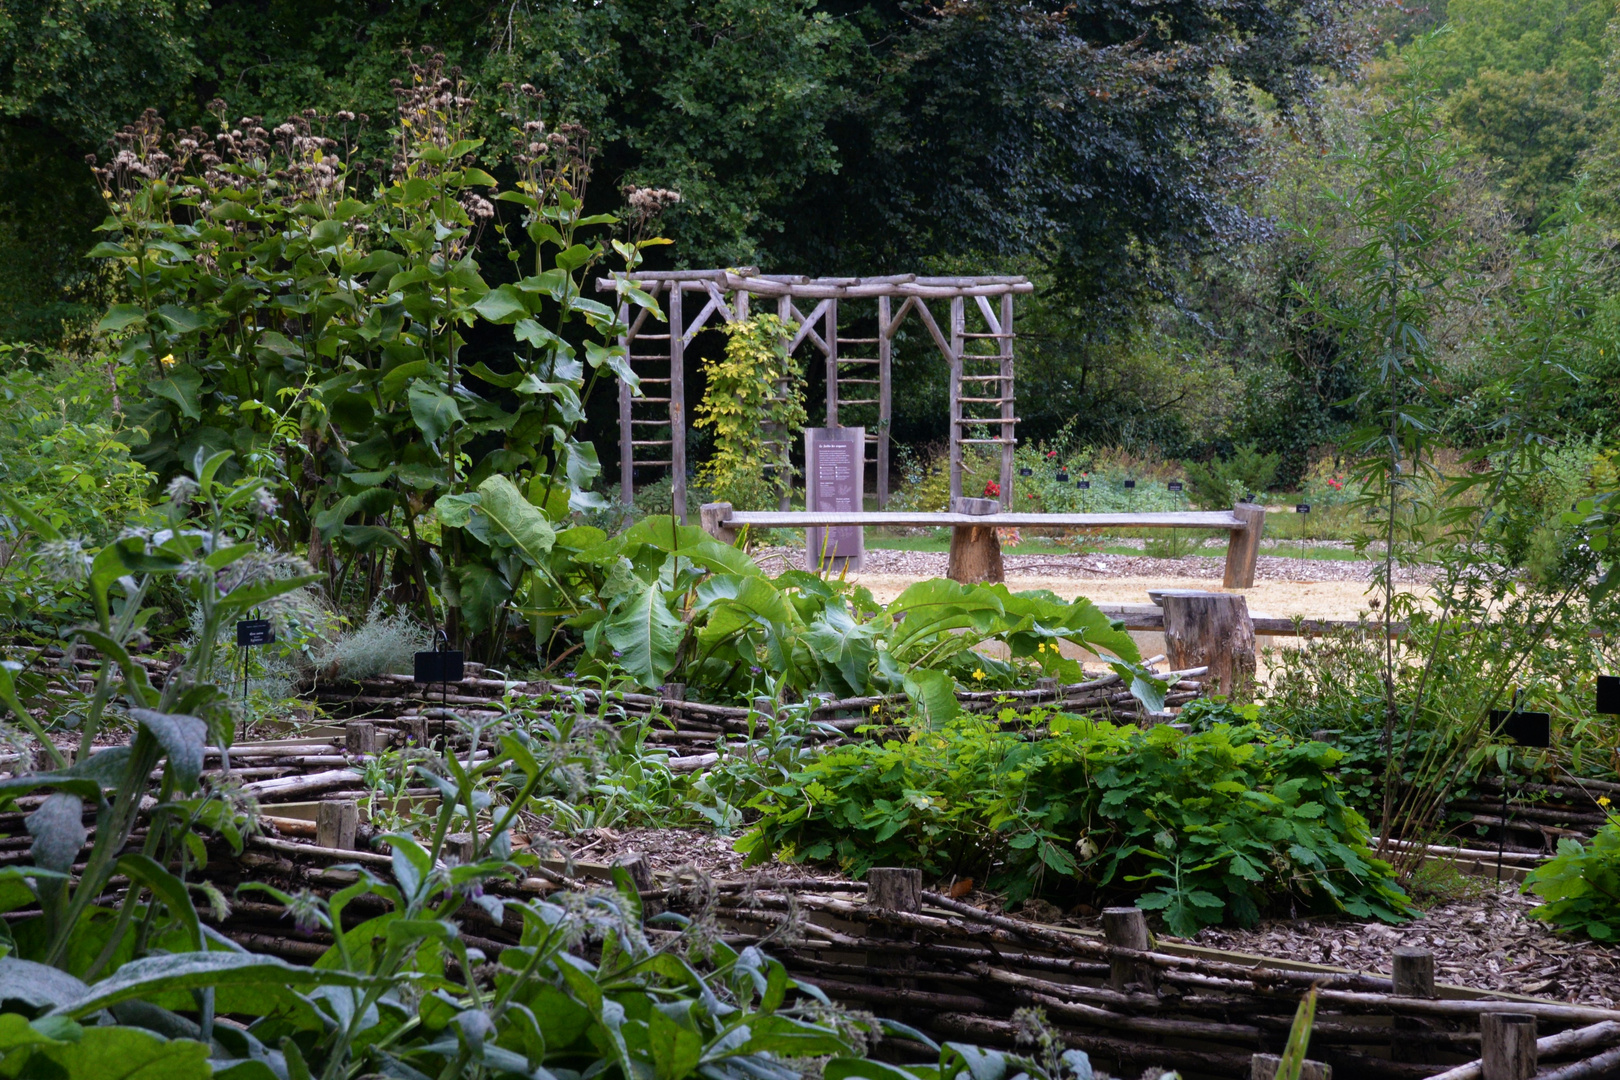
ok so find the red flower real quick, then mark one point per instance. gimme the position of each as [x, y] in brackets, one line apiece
[992, 490]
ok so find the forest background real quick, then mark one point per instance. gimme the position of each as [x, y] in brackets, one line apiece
[1168, 173]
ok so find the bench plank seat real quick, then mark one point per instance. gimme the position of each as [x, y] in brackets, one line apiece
[975, 548]
[798, 519]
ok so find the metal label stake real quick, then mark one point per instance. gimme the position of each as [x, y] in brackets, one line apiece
[1522, 729]
[442, 665]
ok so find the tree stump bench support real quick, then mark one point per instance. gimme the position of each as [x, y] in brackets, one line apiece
[975, 551]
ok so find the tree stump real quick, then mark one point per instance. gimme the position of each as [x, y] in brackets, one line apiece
[975, 549]
[1211, 629]
[975, 555]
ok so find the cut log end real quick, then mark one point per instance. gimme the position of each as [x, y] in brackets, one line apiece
[975, 555]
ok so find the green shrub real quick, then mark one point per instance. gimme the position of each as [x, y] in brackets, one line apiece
[1217, 825]
[1217, 484]
[1581, 886]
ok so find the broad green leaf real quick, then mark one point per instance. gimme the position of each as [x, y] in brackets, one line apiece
[186, 971]
[434, 411]
[516, 520]
[646, 635]
[182, 739]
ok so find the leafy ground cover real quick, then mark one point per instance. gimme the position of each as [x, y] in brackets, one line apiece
[1204, 828]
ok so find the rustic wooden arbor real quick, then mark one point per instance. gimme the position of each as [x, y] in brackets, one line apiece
[976, 340]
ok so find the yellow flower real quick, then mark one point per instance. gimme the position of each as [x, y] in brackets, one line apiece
[876, 709]
[1603, 801]
[167, 361]
[978, 673]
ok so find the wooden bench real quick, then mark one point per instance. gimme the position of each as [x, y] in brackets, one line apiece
[975, 550]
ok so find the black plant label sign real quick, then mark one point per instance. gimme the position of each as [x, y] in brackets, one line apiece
[1524, 728]
[1608, 694]
[1303, 508]
[254, 632]
[1174, 486]
[443, 665]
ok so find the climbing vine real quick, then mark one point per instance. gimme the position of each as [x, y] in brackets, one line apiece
[756, 388]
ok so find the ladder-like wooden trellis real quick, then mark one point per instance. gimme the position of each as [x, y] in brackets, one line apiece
[981, 361]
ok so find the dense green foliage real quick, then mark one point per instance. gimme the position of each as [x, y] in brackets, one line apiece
[1580, 886]
[667, 602]
[1219, 825]
[753, 406]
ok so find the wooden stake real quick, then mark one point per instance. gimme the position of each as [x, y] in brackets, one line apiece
[461, 845]
[1126, 928]
[677, 405]
[1413, 976]
[361, 737]
[336, 823]
[894, 888]
[1508, 1046]
[1264, 1067]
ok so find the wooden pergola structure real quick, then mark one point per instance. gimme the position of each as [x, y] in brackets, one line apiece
[976, 340]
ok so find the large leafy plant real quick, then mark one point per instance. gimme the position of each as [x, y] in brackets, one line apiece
[225, 577]
[1580, 886]
[666, 602]
[307, 306]
[1218, 825]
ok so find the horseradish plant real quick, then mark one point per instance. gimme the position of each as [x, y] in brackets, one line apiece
[275, 276]
[754, 405]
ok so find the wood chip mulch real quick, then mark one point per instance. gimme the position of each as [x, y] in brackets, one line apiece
[1488, 942]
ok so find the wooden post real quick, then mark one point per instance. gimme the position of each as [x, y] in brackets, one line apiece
[1413, 976]
[765, 707]
[975, 549]
[461, 846]
[885, 359]
[831, 330]
[1414, 972]
[1243, 546]
[1212, 629]
[1126, 928]
[361, 737]
[1507, 1046]
[640, 870]
[891, 888]
[1264, 1067]
[627, 466]
[958, 328]
[713, 516]
[335, 824]
[677, 402]
[1008, 410]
